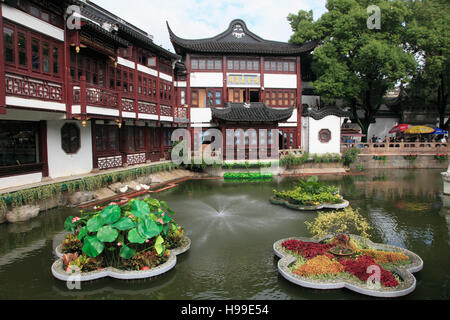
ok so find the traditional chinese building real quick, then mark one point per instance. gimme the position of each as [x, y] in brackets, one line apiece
[238, 80]
[80, 90]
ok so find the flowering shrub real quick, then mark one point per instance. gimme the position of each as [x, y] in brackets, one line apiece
[410, 157]
[359, 268]
[307, 250]
[383, 257]
[320, 265]
[441, 157]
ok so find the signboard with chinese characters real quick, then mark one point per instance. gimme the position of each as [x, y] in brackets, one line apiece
[243, 80]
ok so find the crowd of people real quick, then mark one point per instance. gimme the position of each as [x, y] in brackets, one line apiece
[410, 138]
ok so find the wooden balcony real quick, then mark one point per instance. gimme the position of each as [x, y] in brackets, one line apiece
[26, 87]
[399, 148]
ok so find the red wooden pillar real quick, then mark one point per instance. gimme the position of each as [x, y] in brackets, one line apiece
[67, 85]
[225, 80]
[83, 98]
[161, 143]
[158, 92]
[263, 89]
[135, 85]
[2, 68]
[43, 152]
[173, 101]
[299, 103]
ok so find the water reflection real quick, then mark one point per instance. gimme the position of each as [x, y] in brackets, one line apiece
[232, 228]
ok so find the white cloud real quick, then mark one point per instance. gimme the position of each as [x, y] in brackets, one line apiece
[193, 19]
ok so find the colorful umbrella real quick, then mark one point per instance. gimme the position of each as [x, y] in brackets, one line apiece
[439, 131]
[419, 130]
[400, 128]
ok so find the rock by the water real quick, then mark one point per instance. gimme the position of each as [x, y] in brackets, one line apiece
[22, 214]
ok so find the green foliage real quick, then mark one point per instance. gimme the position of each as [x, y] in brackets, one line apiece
[119, 233]
[54, 191]
[339, 222]
[353, 62]
[247, 175]
[350, 156]
[310, 192]
[291, 160]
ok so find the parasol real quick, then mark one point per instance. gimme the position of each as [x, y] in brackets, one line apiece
[439, 131]
[419, 130]
[400, 128]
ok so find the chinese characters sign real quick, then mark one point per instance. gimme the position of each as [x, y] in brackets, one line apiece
[243, 81]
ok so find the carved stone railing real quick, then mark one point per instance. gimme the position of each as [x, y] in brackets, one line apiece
[32, 88]
[399, 148]
[296, 152]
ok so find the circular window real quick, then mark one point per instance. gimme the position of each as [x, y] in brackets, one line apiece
[70, 138]
[324, 135]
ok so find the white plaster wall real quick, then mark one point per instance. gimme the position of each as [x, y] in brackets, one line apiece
[17, 181]
[206, 80]
[280, 81]
[382, 127]
[331, 123]
[201, 115]
[61, 164]
[31, 22]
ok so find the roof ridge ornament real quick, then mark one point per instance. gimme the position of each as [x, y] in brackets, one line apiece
[238, 31]
[247, 105]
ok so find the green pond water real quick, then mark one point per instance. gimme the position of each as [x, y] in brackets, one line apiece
[233, 227]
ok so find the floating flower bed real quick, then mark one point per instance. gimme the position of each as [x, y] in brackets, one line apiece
[310, 195]
[371, 269]
[132, 241]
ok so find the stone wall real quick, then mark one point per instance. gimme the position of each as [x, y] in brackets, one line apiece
[398, 162]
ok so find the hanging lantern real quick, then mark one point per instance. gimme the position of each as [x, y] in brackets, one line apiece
[83, 123]
[120, 125]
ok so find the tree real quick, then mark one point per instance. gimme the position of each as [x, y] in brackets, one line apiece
[428, 38]
[353, 62]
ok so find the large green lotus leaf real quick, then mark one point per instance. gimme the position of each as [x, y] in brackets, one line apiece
[140, 208]
[94, 224]
[124, 224]
[126, 252]
[83, 233]
[166, 229]
[107, 234]
[159, 245]
[165, 206]
[111, 214]
[92, 246]
[135, 237]
[148, 228]
[69, 225]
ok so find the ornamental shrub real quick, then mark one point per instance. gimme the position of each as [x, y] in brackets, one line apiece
[337, 222]
[318, 266]
[350, 155]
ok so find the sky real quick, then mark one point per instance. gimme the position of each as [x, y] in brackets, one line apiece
[196, 19]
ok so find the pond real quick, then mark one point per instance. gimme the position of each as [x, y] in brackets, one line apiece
[233, 227]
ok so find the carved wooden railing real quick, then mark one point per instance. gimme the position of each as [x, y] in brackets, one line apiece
[400, 148]
[98, 97]
[166, 111]
[181, 115]
[33, 88]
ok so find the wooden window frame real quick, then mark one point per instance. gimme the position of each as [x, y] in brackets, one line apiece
[28, 70]
[240, 60]
[106, 134]
[211, 64]
[282, 63]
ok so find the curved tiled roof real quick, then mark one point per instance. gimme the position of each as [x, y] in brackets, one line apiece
[319, 114]
[238, 39]
[256, 112]
[126, 31]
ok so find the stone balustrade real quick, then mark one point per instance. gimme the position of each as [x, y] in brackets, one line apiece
[399, 148]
